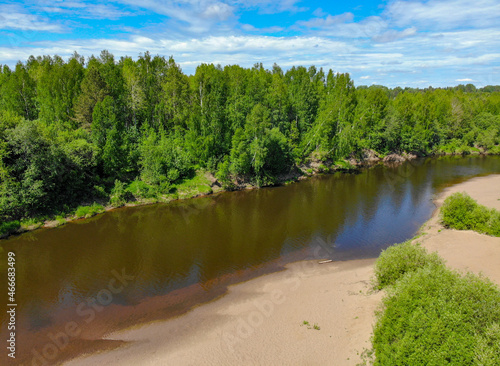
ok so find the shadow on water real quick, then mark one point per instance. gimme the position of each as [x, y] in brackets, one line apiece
[188, 252]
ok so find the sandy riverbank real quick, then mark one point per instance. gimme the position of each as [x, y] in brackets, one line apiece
[260, 322]
[467, 250]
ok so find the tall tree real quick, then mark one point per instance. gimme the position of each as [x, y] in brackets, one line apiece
[93, 90]
[19, 92]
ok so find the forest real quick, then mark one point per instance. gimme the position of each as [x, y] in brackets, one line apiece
[105, 130]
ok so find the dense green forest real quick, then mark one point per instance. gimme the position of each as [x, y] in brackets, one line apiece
[103, 129]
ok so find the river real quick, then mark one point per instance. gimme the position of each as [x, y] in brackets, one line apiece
[134, 265]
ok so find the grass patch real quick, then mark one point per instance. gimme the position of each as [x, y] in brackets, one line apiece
[10, 227]
[61, 220]
[195, 186]
[461, 212]
[89, 211]
[32, 222]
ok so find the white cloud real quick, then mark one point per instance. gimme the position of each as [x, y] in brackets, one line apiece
[391, 64]
[319, 13]
[328, 21]
[343, 26]
[410, 42]
[251, 28]
[270, 6]
[201, 16]
[219, 11]
[464, 80]
[444, 14]
[243, 50]
[78, 9]
[13, 17]
[391, 35]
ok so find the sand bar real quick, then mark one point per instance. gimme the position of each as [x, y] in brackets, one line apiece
[260, 322]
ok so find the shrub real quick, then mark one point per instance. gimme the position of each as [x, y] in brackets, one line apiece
[434, 316]
[223, 175]
[119, 195]
[479, 219]
[494, 150]
[461, 212]
[399, 259]
[7, 228]
[139, 189]
[456, 211]
[100, 192]
[488, 347]
[494, 223]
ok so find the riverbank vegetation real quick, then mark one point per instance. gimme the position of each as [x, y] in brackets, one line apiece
[462, 212]
[433, 315]
[102, 130]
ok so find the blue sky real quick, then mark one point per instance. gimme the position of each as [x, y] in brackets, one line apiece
[395, 43]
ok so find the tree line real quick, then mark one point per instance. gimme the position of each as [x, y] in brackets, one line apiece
[79, 129]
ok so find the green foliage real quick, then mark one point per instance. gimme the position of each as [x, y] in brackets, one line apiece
[44, 171]
[460, 211]
[140, 190]
[487, 352]
[495, 150]
[493, 223]
[224, 175]
[162, 159]
[100, 192]
[259, 151]
[89, 211]
[58, 87]
[32, 222]
[107, 133]
[344, 165]
[434, 316]
[9, 227]
[119, 195]
[399, 259]
[193, 186]
[456, 211]
[68, 126]
[94, 90]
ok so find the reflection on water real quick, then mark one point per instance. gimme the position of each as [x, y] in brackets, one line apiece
[199, 241]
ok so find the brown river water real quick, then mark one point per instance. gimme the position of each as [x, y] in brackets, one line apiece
[81, 281]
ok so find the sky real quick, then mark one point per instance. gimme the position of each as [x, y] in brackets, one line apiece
[403, 43]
